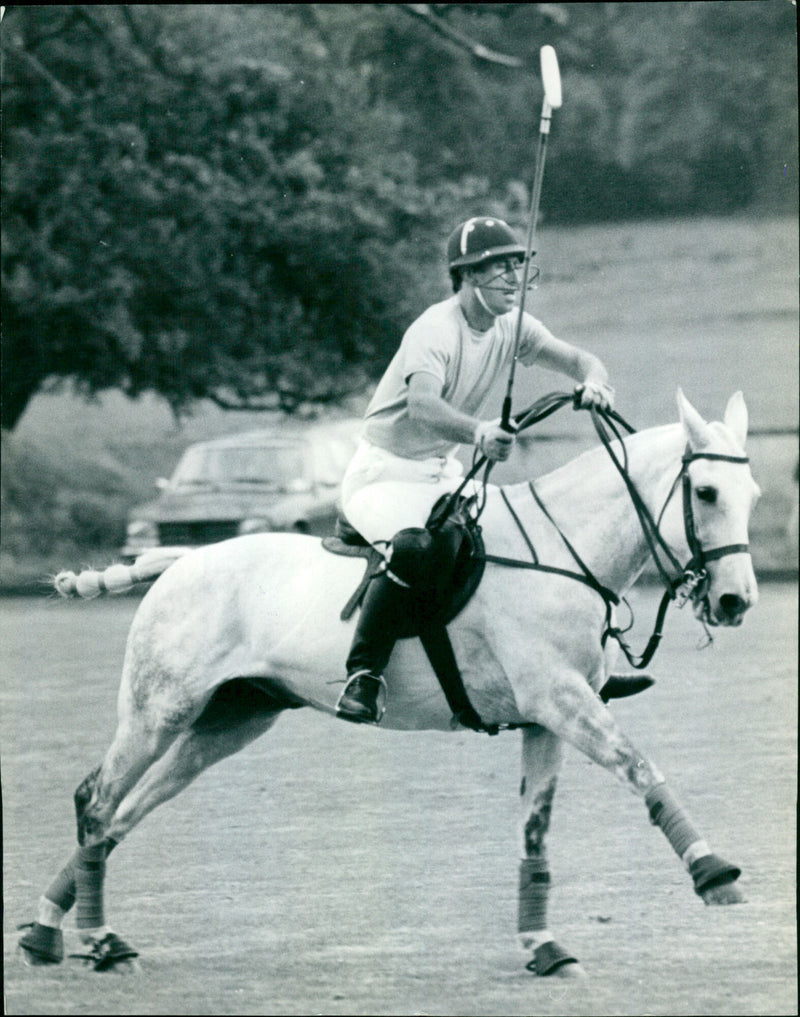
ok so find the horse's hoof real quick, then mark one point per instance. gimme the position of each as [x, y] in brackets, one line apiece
[724, 893]
[121, 967]
[41, 945]
[131, 966]
[109, 954]
[570, 972]
[552, 961]
[715, 880]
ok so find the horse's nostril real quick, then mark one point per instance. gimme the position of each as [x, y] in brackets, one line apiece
[732, 604]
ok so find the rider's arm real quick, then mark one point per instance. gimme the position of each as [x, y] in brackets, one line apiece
[584, 367]
[426, 406]
[557, 355]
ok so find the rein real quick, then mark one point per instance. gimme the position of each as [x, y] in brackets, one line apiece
[689, 577]
[541, 409]
[692, 572]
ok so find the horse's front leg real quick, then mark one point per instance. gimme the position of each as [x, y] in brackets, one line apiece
[572, 711]
[541, 760]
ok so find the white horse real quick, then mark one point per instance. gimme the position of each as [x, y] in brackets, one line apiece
[233, 633]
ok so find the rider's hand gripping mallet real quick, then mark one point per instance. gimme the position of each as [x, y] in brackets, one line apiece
[551, 79]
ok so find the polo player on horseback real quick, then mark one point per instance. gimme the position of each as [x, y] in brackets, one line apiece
[427, 403]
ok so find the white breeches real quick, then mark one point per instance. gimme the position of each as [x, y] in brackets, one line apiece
[383, 493]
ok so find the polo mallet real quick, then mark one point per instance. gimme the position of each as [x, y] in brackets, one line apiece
[551, 79]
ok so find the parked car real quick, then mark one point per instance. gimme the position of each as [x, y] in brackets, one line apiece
[247, 483]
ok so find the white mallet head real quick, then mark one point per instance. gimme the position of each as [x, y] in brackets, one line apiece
[551, 78]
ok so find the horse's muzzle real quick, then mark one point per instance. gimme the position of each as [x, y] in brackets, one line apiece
[729, 609]
[729, 593]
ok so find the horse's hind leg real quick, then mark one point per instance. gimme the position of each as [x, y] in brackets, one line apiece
[136, 745]
[541, 761]
[190, 753]
[574, 712]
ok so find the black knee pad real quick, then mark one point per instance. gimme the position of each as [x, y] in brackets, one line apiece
[411, 555]
[423, 559]
[449, 540]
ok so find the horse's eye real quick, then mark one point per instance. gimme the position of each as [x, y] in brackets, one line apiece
[707, 494]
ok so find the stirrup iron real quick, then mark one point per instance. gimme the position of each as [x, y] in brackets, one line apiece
[380, 699]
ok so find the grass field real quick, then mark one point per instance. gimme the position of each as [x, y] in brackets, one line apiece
[333, 870]
[710, 305]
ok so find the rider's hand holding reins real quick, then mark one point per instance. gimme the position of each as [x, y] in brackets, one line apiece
[494, 440]
[595, 394]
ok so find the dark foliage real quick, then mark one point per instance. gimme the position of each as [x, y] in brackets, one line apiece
[248, 202]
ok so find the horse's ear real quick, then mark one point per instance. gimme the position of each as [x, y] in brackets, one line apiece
[736, 417]
[697, 432]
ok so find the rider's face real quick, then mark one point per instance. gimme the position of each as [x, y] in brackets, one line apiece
[498, 281]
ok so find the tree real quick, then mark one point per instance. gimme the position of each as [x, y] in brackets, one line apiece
[198, 200]
[248, 202]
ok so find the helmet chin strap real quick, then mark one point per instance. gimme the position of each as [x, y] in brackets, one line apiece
[483, 303]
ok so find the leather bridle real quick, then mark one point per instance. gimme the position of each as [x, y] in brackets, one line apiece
[686, 582]
[690, 579]
[690, 576]
[699, 555]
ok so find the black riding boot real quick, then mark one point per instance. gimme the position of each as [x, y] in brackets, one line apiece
[385, 605]
[618, 686]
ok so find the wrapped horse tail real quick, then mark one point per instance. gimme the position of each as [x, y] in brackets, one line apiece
[90, 583]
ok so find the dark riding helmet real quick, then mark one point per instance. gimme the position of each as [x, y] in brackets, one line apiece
[480, 239]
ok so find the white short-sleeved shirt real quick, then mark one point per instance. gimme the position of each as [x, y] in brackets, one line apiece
[466, 362]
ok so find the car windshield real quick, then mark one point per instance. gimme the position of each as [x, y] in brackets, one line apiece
[279, 467]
